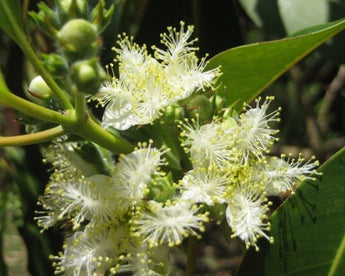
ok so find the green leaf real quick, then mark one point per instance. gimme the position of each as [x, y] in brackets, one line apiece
[309, 229]
[10, 18]
[249, 69]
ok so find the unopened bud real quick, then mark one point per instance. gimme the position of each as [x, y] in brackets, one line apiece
[78, 39]
[88, 75]
[56, 64]
[200, 105]
[38, 90]
[172, 114]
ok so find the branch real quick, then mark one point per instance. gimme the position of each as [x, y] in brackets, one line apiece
[39, 112]
[329, 97]
[80, 124]
[33, 138]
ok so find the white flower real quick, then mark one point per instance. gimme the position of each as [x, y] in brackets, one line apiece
[189, 76]
[168, 224]
[134, 171]
[207, 144]
[204, 186]
[100, 199]
[135, 100]
[139, 94]
[118, 114]
[146, 85]
[134, 61]
[254, 136]
[90, 251]
[154, 97]
[183, 67]
[281, 175]
[86, 199]
[178, 46]
[246, 214]
[65, 159]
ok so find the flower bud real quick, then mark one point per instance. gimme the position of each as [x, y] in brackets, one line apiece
[200, 105]
[56, 65]
[161, 188]
[172, 114]
[88, 75]
[39, 91]
[78, 39]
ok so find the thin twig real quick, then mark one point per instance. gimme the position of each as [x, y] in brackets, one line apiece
[32, 138]
[329, 97]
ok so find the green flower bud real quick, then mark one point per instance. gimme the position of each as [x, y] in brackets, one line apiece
[200, 105]
[88, 76]
[172, 114]
[161, 188]
[78, 39]
[39, 91]
[56, 65]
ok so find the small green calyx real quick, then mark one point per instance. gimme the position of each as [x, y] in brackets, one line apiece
[88, 75]
[201, 106]
[78, 39]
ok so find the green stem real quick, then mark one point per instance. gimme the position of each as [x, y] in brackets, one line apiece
[91, 130]
[39, 112]
[87, 128]
[80, 107]
[32, 138]
[24, 44]
[82, 124]
[191, 257]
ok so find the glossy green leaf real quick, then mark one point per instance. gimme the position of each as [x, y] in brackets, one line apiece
[309, 229]
[249, 69]
[10, 18]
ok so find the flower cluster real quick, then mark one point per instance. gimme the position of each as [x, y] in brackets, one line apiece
[113, 215]
[148, 84]
[231, 167]
[127, 213]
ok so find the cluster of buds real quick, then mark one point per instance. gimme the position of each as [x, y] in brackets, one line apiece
[76, 33]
